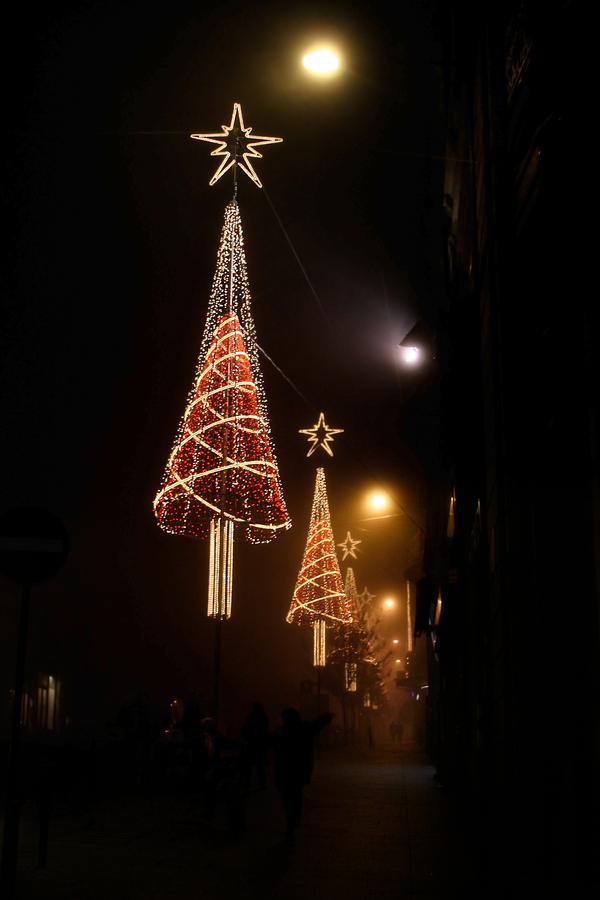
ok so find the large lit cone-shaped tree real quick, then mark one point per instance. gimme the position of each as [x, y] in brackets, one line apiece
[350, 642]
[222, 474]
[319, 599]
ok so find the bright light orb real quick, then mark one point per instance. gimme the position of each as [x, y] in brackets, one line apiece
[411, 355]
[378, 500]
[389, 602]
[322, 61]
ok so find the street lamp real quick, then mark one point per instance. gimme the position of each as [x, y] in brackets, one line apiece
[378, 501]
[410, 355]
[419, 345]
[322, 61]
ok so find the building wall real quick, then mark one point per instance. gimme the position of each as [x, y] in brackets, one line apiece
[518, 669]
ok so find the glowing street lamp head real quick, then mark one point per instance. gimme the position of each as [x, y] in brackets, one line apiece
[322, 61]
[411, 355]
[378, 501]
[389, 602]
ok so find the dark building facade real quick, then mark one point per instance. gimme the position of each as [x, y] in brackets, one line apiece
[509, 601]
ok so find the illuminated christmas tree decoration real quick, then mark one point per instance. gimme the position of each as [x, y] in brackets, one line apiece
[220, 576]
[321, 435]
[350, 642]
[364, 601]
[319, 648]
[352, 597]
[349, 546]
[350, 673]
[319, 592]
[237, 146]
[222, 473]
[223, 463]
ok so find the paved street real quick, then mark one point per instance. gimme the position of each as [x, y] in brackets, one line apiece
[374, 824]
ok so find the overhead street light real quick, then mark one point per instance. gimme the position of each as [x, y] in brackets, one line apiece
[410, 355]
[322, 61]
[378, 501]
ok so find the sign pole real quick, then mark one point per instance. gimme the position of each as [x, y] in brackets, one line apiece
[33, 547]
[12, 810]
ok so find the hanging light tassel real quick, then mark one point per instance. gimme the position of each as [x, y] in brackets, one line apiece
[319, 655]
[351, 676]
[220, 575]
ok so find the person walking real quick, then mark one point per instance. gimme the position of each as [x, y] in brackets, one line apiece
[293, 760]
[254, 734]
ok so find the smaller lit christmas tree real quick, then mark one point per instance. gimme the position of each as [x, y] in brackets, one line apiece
[319, 599]
[375, 674]
[350, 642]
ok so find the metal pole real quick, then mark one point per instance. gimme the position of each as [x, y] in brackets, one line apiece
[12, 810]
[217, 656]
[222, 600]
[318, 690]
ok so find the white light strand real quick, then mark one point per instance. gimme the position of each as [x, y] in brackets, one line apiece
[319, 648]
[408, 619]
[220, 577]
[350, 676]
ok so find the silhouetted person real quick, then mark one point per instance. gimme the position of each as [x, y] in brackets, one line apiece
[191, 729]
[223, 775]
[191, 721]
[399, 731]
[135, 720]
[254, 733]
[293, 760]
[193, 743]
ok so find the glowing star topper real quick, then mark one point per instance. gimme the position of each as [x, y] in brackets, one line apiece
[237, 146]
[321, 435]
[349, 546]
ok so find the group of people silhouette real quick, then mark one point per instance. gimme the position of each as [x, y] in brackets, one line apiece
[226, 767]
[221, 770]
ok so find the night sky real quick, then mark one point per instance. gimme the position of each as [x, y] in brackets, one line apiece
[109, 258]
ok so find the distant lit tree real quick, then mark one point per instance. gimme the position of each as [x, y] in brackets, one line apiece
[319, 598]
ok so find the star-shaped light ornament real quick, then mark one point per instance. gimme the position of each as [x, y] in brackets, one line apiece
[237, 146]
[349, 546]
[321, 435]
